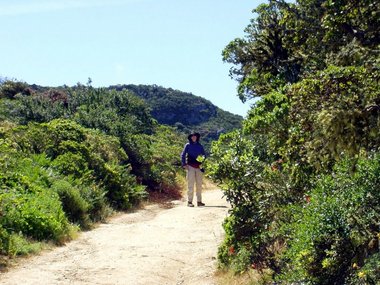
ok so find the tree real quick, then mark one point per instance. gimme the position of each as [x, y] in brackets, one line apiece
[263, 60]
[10, 88]
[314, 67]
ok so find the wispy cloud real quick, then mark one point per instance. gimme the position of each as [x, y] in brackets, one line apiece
[15, 8]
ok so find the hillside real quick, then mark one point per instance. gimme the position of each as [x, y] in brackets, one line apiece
[181, 110]
[185, 111]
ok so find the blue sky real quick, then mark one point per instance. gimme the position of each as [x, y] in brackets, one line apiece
[171, 43]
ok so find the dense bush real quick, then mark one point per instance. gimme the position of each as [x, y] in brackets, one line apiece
[72, 155]
[27, 204]
[302, 173]
[74, 205]
[73, 150]
[44, 189]
[10, 88]
[258, 192]
[337, 230]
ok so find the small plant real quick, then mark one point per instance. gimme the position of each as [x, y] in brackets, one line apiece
[242, 261]
[17, 245]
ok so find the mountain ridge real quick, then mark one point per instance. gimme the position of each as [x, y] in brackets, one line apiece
[184, 111]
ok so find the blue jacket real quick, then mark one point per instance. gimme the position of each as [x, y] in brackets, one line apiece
[190, 153]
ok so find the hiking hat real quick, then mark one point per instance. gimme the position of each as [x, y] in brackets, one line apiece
[194, 134]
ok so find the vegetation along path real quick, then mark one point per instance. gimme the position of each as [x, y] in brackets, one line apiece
[155, 245]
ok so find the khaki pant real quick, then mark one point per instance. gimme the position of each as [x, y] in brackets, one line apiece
[194, 175]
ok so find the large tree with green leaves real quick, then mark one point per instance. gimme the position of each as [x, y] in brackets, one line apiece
[313, 68]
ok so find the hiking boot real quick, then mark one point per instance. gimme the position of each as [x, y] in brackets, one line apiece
[190, 204]
[200, 204]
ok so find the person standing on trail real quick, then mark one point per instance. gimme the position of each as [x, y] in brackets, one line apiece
[192, 157]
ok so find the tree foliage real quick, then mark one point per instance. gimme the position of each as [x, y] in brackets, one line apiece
[298, 172]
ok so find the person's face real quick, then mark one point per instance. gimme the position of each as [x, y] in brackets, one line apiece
[194, 138]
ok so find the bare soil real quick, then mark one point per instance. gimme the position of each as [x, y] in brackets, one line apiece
[159, 244]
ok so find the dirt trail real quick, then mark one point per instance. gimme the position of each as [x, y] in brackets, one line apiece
[156, 245]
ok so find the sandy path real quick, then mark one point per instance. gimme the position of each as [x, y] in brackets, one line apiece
[155, 245]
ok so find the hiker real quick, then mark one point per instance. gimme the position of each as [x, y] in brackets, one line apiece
[192, 157]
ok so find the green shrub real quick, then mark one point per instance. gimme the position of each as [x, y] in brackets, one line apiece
[339, 227]
[75, 207]
[98, 206]
[10, 88]
[369, 273]
[258, 193]
[122, 190]
[4, 239]
[165, 147]
[242, 260]
[27, 203]
[36, 215]
[71, 164]
[17, 244]
[89, 157]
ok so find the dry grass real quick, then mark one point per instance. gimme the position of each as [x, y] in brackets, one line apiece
[179, 192]
[168, 193]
